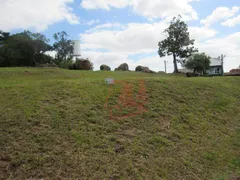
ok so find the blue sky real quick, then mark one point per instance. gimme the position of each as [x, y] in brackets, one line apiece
[117, 31]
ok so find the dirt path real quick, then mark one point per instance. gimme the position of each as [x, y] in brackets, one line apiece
[133, 103]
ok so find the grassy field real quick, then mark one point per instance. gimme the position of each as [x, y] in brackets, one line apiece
[60, 124]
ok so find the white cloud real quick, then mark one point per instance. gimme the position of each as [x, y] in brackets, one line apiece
[134, 38]
[150, 9]
[92, 22]
[232, 22]
[219, 14]
[201, 33]
[121, 41]
[229, 46]
[25, 14]
[106, 26]
[164, 9]
[104, 4]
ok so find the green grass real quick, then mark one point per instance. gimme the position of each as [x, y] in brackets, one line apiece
[54, 125]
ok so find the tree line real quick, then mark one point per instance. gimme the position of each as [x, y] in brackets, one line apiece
[29, 49]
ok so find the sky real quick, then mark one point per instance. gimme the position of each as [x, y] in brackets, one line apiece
[113, 32]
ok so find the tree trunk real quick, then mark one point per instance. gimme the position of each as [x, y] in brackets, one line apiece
[175, 63]
[34, 60]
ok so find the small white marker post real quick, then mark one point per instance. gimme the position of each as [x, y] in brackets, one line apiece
[109, 81]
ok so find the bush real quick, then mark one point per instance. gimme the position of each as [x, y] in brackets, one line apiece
[43, 59]
[63, 64]
[72, 66]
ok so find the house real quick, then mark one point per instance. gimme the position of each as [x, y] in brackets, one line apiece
[216, 67]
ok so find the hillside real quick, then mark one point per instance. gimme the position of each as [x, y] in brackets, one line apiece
[61, 124]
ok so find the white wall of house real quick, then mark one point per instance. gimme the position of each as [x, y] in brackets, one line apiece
[215, 71]
[215, 67]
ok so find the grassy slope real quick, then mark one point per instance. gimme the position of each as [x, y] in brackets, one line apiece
[54, 126]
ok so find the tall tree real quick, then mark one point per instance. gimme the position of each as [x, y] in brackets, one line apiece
[3, 36]
[199, 62]
[39, 42]
[178, 43]
[63, 46]
[39, 45]
[24, 49]
[18, 51]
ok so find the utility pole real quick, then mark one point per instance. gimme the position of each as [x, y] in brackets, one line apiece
[165, 64]
[222, 62]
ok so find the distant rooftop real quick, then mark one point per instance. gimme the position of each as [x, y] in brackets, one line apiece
[215, 62]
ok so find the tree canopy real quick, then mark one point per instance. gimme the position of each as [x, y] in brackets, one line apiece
[3, 36]
[199, 62]
[63, 46]
[23, 49]
[178, 43]
[29, 49]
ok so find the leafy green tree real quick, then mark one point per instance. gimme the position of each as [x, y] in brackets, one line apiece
[2, 55]
[64, 48]
[23, 49]
[199, 62]
[3, 37]
[39, 42]
[178, 43]
[40, 46]
[19, 50]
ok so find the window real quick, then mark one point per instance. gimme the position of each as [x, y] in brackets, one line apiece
[217, 70]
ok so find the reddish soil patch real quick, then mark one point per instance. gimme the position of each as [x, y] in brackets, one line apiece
[128, 100]
[235, 178]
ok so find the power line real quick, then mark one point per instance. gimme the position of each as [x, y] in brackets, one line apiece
[232, 56]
